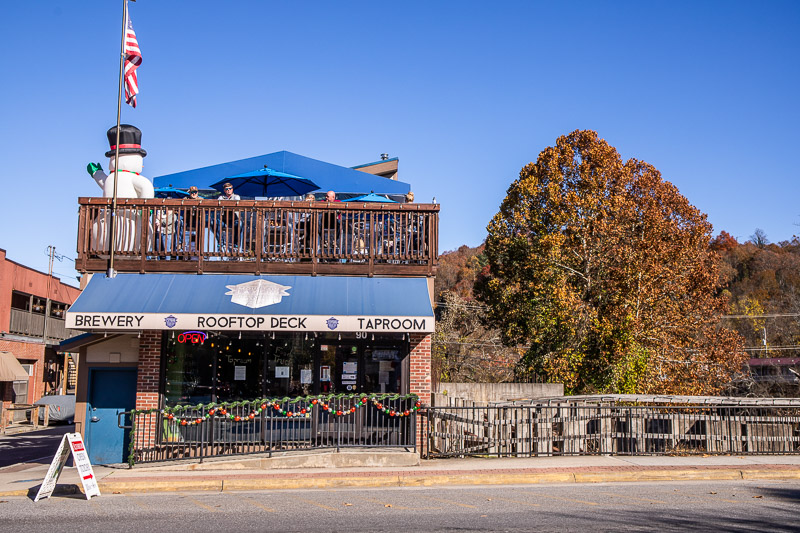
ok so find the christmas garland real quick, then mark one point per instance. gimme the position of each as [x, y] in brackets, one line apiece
[177, 414]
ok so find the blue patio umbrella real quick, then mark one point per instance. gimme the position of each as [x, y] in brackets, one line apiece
[170, 192]
[267, 183]
[371, 197]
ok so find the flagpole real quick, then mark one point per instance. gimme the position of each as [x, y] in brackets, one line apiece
[112, 226]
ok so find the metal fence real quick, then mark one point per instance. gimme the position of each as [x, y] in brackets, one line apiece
[611, 429]
[248, 427]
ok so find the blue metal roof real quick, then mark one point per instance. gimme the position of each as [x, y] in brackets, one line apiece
[327, 175]
[355, 301]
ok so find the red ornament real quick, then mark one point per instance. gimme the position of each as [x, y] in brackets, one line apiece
[199, 420]
[223, 412]
[276, 407]
[252, 416]
[338, 413]
[263, 406]
[183, 422]
[210, 412]
[380, 406]
[406, 412]
[303, 411]
[364, 399]
[352, 409]
[170, 416]
[290, 414]
[392, 412]
[417, 404]
[314, 401]
[325, 406]
[237, 418]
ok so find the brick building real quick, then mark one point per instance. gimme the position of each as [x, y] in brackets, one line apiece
[32, 308]
[256, 299]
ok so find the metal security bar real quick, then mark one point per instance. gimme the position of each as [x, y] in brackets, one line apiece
[259, 427]
[610, 429]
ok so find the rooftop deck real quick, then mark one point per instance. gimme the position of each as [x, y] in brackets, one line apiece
[259, 237]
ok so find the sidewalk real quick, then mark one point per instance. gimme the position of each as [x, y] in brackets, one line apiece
[231, 475]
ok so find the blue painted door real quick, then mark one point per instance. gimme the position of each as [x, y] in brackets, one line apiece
[111, 391]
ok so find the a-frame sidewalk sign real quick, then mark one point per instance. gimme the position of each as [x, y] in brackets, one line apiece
[71, 442]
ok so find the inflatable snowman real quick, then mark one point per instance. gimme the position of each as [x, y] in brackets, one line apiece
[130, 184]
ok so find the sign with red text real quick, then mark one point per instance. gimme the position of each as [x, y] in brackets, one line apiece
[70, 443]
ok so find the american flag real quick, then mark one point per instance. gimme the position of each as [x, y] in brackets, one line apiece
[133, 58]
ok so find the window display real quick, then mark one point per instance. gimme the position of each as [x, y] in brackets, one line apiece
[202, 367]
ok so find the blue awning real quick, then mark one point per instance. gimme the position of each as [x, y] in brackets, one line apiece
[260, 303]
[327, 175]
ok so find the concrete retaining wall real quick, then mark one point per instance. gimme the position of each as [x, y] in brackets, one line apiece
[484, 393]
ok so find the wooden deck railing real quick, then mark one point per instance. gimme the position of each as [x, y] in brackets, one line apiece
[32, 325]
[259, 237]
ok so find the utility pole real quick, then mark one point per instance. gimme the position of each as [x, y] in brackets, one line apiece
[51, 250]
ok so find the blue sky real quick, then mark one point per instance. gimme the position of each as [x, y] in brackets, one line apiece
[464, 93]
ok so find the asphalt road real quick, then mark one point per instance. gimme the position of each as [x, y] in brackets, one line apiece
[33, 446]
[663, 506]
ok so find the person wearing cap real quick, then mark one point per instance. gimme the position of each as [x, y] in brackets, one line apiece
[229, 220]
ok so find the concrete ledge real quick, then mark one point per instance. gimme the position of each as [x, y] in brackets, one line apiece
[758, 473]
[159, 486]
[273, 482]
[60, 490]
[322, 459]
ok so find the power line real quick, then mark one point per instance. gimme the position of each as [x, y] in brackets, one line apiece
[56, 255]
[776, 315]
[770, 348]
[71, 276]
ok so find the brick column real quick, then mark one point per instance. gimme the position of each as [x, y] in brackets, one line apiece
[420, 375]
[147, 385]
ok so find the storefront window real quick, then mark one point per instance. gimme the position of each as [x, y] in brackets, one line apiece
[240, 368]
[290, 369]
[202, 368]
[361, 364]
[224, 367]
[189, 371]
[383, 369]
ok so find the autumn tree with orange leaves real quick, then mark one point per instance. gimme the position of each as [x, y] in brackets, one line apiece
[605, 270]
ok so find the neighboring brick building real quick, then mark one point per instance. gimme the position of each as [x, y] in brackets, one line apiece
[25, 305]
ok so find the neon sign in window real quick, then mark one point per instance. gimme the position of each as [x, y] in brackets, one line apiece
[192, 337]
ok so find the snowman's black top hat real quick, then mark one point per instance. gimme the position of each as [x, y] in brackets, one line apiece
[130, 140]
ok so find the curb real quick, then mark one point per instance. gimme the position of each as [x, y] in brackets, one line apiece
[433, 479]
[60, 490]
